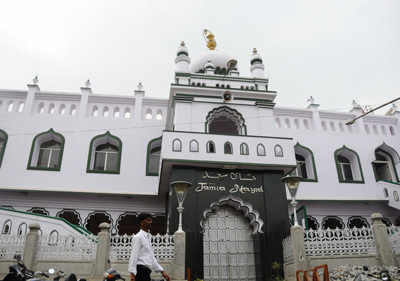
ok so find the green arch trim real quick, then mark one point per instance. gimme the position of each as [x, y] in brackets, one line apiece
[107, 134]
[393, 163]
[148, 173]
[210, 113]
[4, 147]
[32, 167]
[339, 172]
[315, 179]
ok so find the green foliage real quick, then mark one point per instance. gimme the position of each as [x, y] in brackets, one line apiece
[276, 271]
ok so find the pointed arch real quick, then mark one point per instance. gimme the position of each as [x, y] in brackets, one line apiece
[46, 151]
[104, 154]
[348, 165]
[153, 157]
[3, 144]
[255, 221]
[308, 164]
[6, 227]
[232, 120]
[386, 163]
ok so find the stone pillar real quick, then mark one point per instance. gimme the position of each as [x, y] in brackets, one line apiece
[103, 250]
[31, 246]
[139, 95]
[299, 252]
[384, 249]
[178, 267]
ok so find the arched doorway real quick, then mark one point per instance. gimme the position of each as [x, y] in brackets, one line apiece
[228, 246]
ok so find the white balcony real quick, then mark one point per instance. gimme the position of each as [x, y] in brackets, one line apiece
[181, 148]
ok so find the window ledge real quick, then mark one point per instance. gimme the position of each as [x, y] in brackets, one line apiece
[102, 172]
[343, 181]
[392, 182]
[43, 169]
[152, 174]
[308, 180]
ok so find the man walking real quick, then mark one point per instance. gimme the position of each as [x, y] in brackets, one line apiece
[142, 260]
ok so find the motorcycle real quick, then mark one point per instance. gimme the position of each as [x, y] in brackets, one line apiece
[18, 271]
[112, 275]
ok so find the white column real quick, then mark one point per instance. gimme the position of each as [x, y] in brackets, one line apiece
[85, 92]
[30, 98]
[139, 95]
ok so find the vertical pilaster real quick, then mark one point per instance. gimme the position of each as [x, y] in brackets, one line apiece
[316, 122]
[103, 250]
[299, 252]
[384, 249]
[83, 108]
[31, 246]
[179, 263]
[30, 98]
[139, 95]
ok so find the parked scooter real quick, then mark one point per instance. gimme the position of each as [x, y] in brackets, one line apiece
[18, 271]
[112, 275]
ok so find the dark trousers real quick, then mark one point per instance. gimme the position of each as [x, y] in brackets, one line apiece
[143, 273]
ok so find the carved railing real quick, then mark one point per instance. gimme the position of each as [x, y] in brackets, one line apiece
[394, 236]
[11, 245]
[342, 242]
[67, 248]
[287, 244]
[163, 245]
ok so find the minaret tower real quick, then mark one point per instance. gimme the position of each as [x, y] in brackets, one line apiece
[182, 60]
[256, 65]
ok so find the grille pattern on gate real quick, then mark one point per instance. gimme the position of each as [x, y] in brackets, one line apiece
[228, 247]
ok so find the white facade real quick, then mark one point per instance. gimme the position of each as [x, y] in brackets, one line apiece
[137, 120]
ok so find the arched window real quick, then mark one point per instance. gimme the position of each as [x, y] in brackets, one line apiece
[312, 223]
[159, 115]
[210, 147]
[305, 163]
[332, 222]
[226, 121]
[40, 109]
[278, 122]
[244, 149]
[22, 228]
[53, 238]
[47, 151]
[176, 145]
[296, 123]
[127, 223]
[391, 130]
[38, 210]
[10, 106]
[52, 108]
[384, 164]
[366, 127]
[95, 111]
[93, 220]
[72, 110]
[385, 192]
[228, 148]
[348, 166]
[127, 113]
[3, 143]
[357, 222]
[105, 154]
[70, 216]
[153, 157]
[6, 227]
[194, 146]
[21, 106]
[396, 195]
[278, 151]
[116, 112]
[149, 114]
[61, 110]
[106, 111]
[260, 149]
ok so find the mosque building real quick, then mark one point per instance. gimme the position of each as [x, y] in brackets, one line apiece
[90, 158]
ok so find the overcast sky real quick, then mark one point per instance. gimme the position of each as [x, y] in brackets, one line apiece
[333, 50]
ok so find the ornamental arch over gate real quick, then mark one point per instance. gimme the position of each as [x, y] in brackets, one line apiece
[225, 120]
[255, 221]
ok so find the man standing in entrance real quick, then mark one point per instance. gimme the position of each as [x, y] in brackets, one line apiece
[142, 260]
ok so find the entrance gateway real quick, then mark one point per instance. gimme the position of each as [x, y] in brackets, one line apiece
[234, 220]
[228, 247]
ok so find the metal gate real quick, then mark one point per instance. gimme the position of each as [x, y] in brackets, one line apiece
[228, 247]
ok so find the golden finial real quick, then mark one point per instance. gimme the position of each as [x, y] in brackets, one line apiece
[210, 38]
[183, 43]
[254, 51]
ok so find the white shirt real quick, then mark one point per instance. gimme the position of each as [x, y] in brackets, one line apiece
[143, 253]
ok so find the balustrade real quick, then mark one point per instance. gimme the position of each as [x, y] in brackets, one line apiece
[11, 245]
[329, 242]
[163, 245]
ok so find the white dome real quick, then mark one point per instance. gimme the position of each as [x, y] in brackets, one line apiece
[216, 57]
